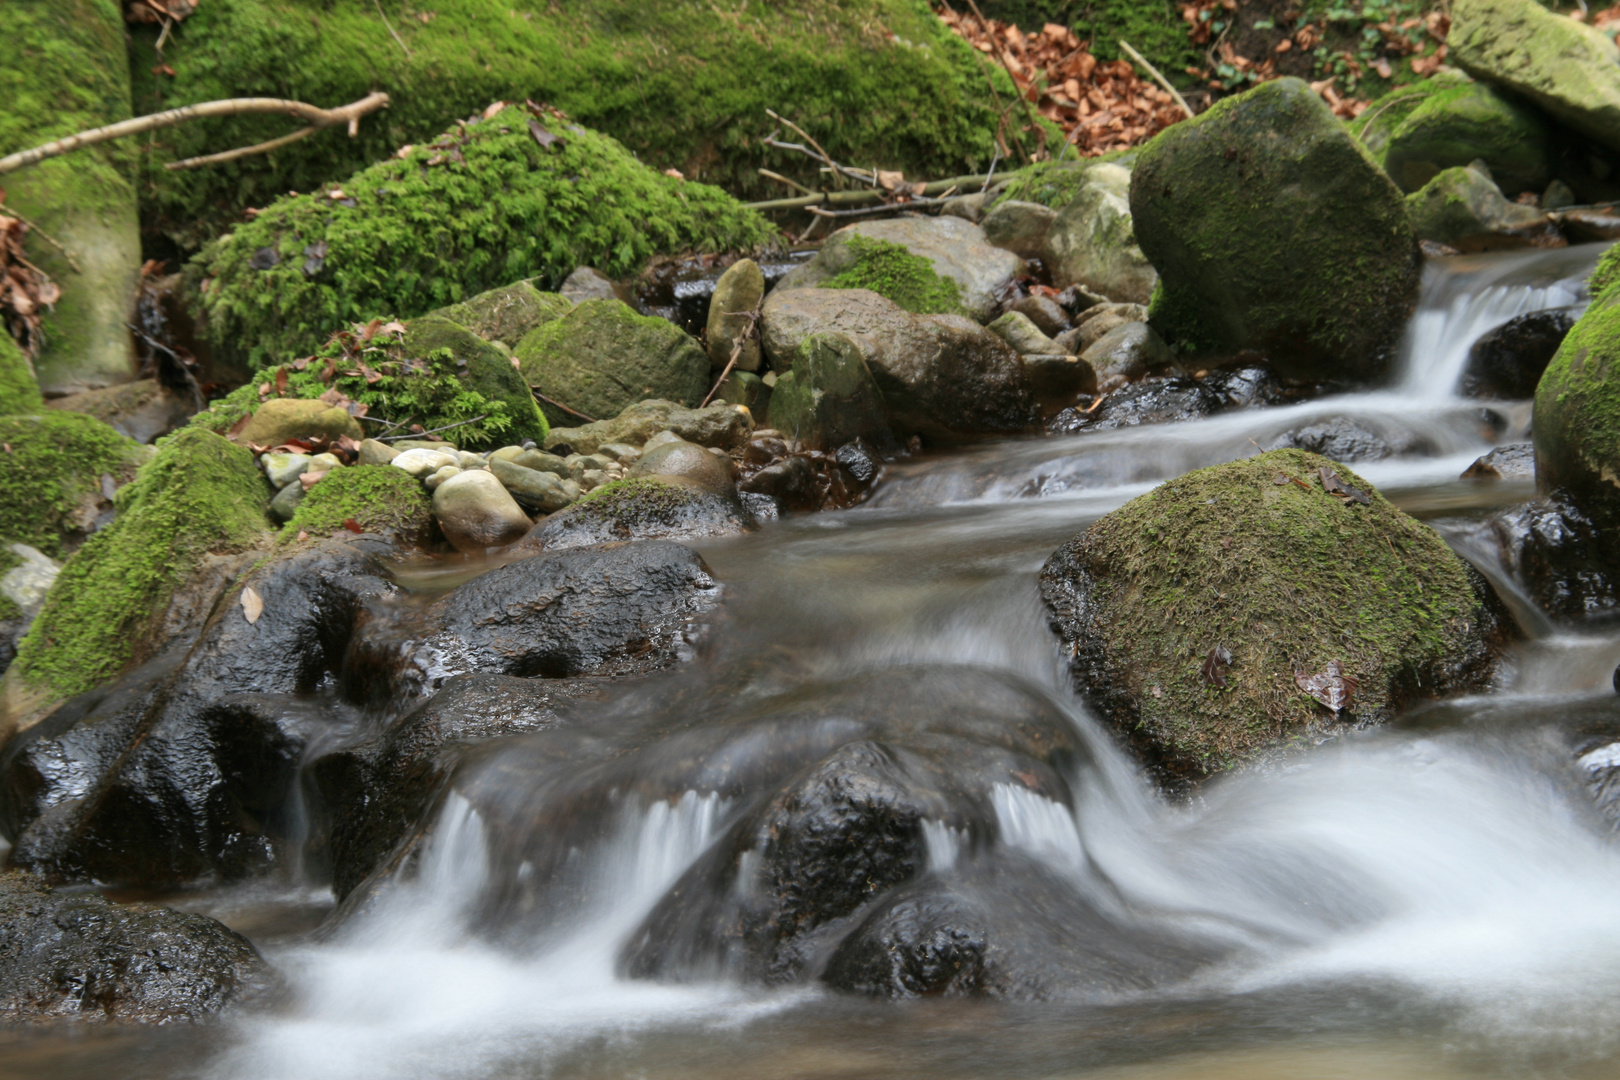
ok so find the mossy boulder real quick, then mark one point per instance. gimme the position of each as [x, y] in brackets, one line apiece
[1380, 120]
[1092, 242]
[1577, 411]
[482, 206]
[64, 68]
[1568, 68]
[19, 390]
[1257, 561]
[602, 357]
[507, 313]
[55, 475]
[882, 82]
[282, 420]
[641, 508]
[1463, 208]
[377, 498]
[484, 368]
[1458, 124]
[1274, 231]
[199, 495]
[830, 397]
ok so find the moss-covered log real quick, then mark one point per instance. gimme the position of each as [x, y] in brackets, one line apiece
[64, 68]
[486, 204]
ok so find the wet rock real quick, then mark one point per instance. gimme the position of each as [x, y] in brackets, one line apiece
[1283, 579]
[939, 374]
[1564, 562]
[539, 490]
[1516, 461]
[829, 398]
[1023, 336]
[1247, 387]
[1320, 281]
[790, 482]
[1047, 314]
[1097, 322]
[508, 313]
[1509, 361]
[23, 587]
[476, 512]
[377, 793]
[1019, 227]
[1125, 354]
[1152, 401]
[1092, 242]
[1008, 928]
[1056, 381]
[717, 425]
[1343, 439]
[956, 248]
[611, 610]
[78, 958]
[740, 290]
[281, 420]
[602, 357]
[1577, 427]
[1570, 70]
[142, 410]
[688, 463]
[1463, 209]
[645, 508]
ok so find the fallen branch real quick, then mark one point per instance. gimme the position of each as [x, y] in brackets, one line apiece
[780, 179]
[43, 235]
[559, 405]
[854, 198]
[873, 211]
[391, 30]
[432, 431]
[316, 116]
[1157, 77]
[736, 352]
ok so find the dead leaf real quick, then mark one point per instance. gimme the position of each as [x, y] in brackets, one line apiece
[395, 327]
[491, 109]
[1347, 493]
[281, 382]
[252, 606]
[675, 174]
[302, 535]
[1330, 686]
[310, 478]
[352, 525]
[542, 136]
[1215, 665]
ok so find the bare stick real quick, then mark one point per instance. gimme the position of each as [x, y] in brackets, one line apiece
[853, 198]
[1029, 114]
[736, 353]
[386, 23]
[995, 159]
[7, 211]
[1158, 78]
[315, 115]
[432, 431]
[873, 211]
[557, 404]
[833, 167]
[241, 151]
[803, 134]
[779, 178]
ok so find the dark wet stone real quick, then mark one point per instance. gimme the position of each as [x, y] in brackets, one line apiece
[79, 958]
[859, 460]
[644, 508]
[1508, 362]
[1152, 401]
[1009, 928]
[1348, 441]
[790, 480]
[1250, 387]
[1562, 560]
[1515, 461]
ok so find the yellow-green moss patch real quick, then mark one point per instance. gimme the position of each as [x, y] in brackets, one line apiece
[377, 498]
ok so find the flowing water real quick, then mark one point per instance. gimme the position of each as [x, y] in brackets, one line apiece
[1435, 899]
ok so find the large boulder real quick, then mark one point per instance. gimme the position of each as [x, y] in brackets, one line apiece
[1564, 562]
[1464, 209]
[956, 250]
[65, 69]
[507, 313]
[1577, 423]
[1456, 123]
[1273, 231]
[57, 481]
[1508, 362]
[830, 397]
[1215, 616]
[76, 957]
[1568, 68]
[1092, 242]
[19, 389]
[602, 357]
[939, 374]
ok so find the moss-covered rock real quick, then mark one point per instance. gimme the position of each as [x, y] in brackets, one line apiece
[507, 313]
[1380, 119]
[602, 357]
[200, 494]
[484, 205]
[19, 390]
[482, 368]
[1568, 68]
[377, 498]
[1272, 230]
[715, 425]
[1463, 208]
[1258, 559]
[641, 508]
[879, 82]
[1051, 184]
[51, 487]
[892, 271]
[1092, 242]
[830, 397]
[1577, 411]
[1455, 125]
[64, 69]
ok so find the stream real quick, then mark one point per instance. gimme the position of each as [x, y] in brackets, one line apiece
[1438, 898]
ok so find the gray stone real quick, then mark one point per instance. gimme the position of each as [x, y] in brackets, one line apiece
[1058, 380]
[739, 291]
[27, 583]
[1023, 336]
[432, 482]
[689, 463]
[373, 452]
[1126, 353]
[423, 463]
[1092, 242]
[544, 491]
[504, 315]
[1019, 227]
[282, 469]
[538, 460]
[425, 444]
[586, 284]
[286, 501]
[1464, 209]
[956, 248]
[717, 425]
[1046, 313]
[623, 453]
[1515, 461]
[143, 409]
[477, 513]
[1096, 322]
[830, 397]
[325, 462]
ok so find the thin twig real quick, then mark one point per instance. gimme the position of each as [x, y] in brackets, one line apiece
[872, 211]
[386, 23]
[379, 420]
[779, 178]
[433, 431]
[314, 114]
[736, 352]
[803, 134]
[995, 159]
[831, 166]
[154, 344]
[241, 151]
[1001, 56]
[853, 198]
[557, 404]
[1157, 77]
[45, 236]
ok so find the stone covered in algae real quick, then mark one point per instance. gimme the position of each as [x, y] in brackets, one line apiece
[1258, 559]
[377, 498]
[507, 313]
[19, 390]
[54, 475]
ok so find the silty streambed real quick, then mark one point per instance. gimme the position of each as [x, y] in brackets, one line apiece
[1438, 898]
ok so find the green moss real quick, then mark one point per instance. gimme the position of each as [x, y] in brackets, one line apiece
[1577, 410]
[1446, 122]
[682, 84]
[50, 475]
[507, 313]
[8, 607]
[637, 494]
[484, 206]
[200, 494]
[378, 498]
[19, 392]
[1050, 183]
[1606, 275]
[1153, 27]
[890, 270]
[1287, 579]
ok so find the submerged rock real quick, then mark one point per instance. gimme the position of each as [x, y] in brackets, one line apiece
[1566, 564]
[1195, 615]
[1342, 438]
[80, 958]
[1319, 279]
